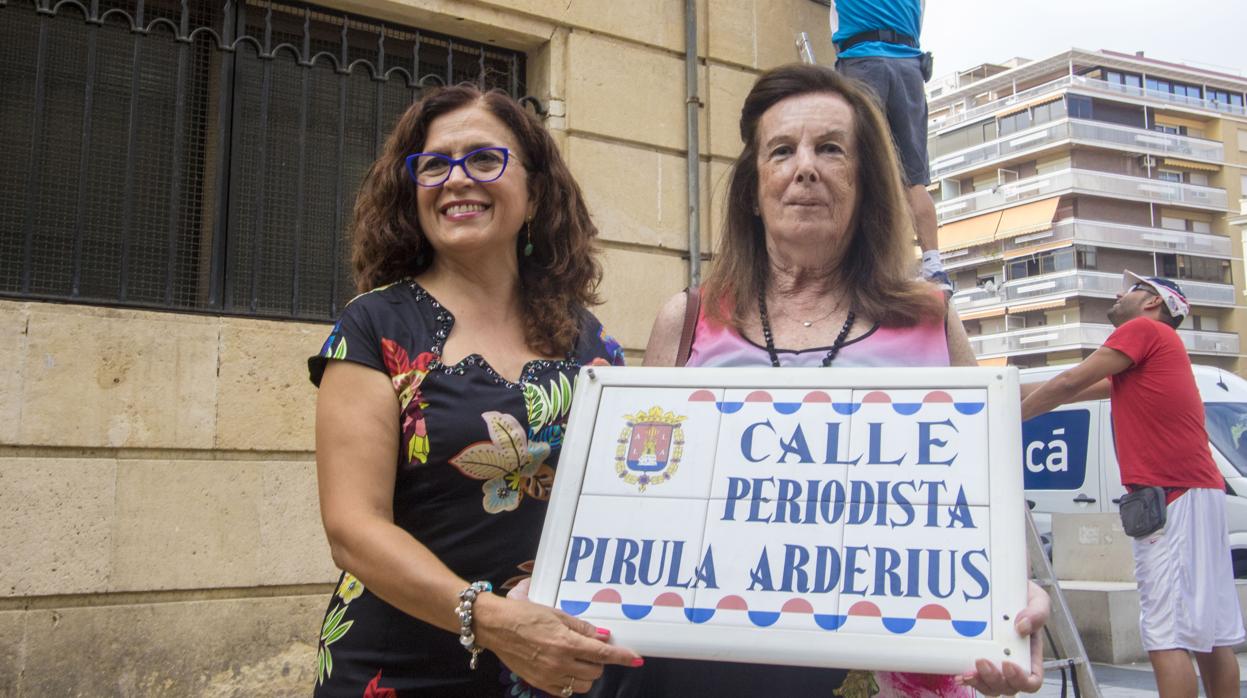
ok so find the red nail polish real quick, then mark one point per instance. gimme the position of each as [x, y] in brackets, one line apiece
[638, 662]
[603, 632]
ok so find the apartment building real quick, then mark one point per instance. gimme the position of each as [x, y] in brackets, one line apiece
[1052, 176]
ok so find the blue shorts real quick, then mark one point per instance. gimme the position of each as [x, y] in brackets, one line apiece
[898, 84]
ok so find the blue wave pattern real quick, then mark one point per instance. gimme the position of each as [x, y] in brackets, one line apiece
[818, 397]
[794, 607]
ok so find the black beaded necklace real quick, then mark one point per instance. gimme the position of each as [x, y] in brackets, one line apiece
[770, 339]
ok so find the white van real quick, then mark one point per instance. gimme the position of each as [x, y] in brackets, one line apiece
[1071, 465]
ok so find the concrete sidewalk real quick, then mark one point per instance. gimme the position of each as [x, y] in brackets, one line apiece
[1125, 680]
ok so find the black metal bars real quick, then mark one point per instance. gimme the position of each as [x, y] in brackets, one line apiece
[201, 156]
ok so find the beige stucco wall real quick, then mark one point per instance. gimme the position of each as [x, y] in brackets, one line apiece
[158, 516]
[157, 504]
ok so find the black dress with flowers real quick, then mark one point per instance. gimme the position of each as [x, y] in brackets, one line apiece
[475, 465]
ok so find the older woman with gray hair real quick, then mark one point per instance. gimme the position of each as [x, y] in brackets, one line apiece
[814, 268]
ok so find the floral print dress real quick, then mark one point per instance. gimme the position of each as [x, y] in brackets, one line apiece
[477, 456]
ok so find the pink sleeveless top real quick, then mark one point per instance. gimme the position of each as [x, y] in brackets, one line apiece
[925, 344]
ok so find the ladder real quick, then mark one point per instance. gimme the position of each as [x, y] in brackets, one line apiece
[1062, 634]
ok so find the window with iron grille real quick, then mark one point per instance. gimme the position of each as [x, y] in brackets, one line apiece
[201, 156]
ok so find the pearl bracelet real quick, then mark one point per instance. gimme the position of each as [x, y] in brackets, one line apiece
[464, 610]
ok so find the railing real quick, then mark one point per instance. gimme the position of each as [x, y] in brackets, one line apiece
[1209, 293]
[1105, 285]
[987, 108]
[980, 256]
[1088, 283]
[1085, 84]
[1079, 283]
[1087, 336]
[977, 298]
[202, 156]
[1089, 181]
[1136, 140]
[1103, 86]
[1144, 140]
[1120, 235]
[1205, 342]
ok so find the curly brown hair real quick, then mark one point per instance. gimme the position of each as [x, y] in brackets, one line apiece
[557, 281]
[876, 272]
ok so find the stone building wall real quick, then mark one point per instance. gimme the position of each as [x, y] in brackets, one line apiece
[158, 503]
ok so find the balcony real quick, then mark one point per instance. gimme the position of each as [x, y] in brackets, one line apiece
[1048, 338]
[1165, 98]
[1085, 182]
[954, 261]
[1092, 284]
[1088, 85]
[1097, 133]
[1105, 285]
[1128, 237]
[977, 299]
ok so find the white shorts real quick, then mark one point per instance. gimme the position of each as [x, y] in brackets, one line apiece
[1187, 597]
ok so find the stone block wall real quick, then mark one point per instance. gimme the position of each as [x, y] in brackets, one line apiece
[157, 504]
[158, 509]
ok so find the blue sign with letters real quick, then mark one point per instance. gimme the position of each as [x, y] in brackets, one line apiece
[800, 517]
[1054, 450]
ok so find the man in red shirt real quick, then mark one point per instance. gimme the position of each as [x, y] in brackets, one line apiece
[1186, 582]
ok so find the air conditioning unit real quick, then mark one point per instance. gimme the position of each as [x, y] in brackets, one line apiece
[1148, 161]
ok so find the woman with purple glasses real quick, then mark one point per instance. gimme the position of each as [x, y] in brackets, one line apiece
[444, 391]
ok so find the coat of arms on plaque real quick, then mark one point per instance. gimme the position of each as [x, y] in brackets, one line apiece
[650, 448]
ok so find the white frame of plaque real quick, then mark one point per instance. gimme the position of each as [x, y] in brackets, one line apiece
[773, 645]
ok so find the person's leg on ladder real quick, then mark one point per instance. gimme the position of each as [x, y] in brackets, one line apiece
[1218, 670]
[924, 217]
[1175, 675]
[926, 227]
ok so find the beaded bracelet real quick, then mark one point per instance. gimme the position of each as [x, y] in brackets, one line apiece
[464, 610]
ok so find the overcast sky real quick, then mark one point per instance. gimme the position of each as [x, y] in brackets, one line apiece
[1206, 33]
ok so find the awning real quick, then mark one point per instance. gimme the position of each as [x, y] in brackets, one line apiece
[1027, 218]
[1035, 249]
[980, 314]
[1043, 305]
[1027, 105]
[1174, 162]
[969, 232]
[995, 361]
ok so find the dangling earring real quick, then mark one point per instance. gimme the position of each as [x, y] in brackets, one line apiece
[528, 248]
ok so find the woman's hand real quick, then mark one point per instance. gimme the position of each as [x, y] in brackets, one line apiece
[1011, 678]
[546, 647]
[520, 590]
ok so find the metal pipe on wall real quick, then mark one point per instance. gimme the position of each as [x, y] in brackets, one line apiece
[692, 104]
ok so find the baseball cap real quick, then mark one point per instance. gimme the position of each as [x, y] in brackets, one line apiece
[1169, 292]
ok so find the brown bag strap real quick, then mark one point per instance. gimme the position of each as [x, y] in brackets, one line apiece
[692, 306]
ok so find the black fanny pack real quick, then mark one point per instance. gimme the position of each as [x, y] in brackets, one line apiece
[928, 65]
[1143, 511]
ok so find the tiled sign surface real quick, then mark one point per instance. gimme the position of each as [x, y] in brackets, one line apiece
[874, 522]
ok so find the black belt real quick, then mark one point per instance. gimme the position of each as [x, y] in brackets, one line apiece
[1168, 490]
[885, 35]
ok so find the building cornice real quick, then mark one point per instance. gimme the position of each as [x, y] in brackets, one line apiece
[1084, 58]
